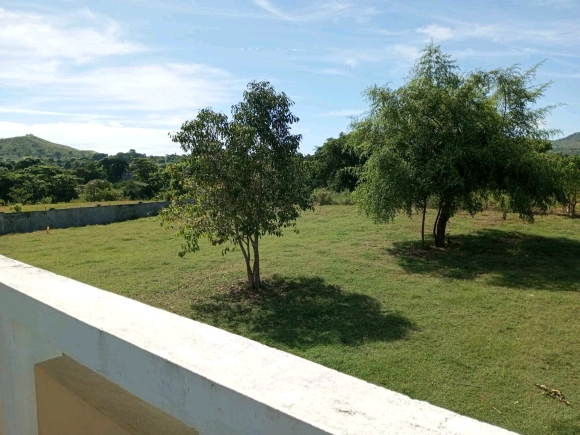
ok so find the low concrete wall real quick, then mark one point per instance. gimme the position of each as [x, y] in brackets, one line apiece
[211, 380]
[76, 217]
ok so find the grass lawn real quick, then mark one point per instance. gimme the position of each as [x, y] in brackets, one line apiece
[44, 207]
[471, 328]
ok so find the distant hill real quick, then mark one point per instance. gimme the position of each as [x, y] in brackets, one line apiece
[15, 148]
[567, 145]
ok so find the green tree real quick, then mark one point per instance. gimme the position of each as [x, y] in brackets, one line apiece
[88, 171]
[147, 175]
[100, 190]
[570, 167]
[334, 165]
[244, 177]
[7, 181]
[454, 139]
[114, 168]
[27, 162]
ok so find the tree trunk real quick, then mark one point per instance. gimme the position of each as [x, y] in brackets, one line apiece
[423, 223]
[256, 273]
[435, 223]
[441, 226]
[249, 271]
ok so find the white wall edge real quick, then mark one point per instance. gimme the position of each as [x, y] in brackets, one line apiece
[215, 381]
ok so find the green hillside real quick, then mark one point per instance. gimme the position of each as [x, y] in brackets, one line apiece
[568, 145]
[15, 148]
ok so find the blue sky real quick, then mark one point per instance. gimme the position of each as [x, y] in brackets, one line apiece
[115, 75]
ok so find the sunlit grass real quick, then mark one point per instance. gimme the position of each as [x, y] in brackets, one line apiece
[471, 328]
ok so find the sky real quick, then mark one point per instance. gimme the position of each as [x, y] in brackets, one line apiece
[111, 76]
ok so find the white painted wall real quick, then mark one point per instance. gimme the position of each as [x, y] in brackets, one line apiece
[217, 382]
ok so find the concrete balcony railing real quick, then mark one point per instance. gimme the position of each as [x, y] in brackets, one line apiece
[78, 360]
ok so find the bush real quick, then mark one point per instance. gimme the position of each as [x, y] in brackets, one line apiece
[100, 190]
[328, 197]
[17, 208]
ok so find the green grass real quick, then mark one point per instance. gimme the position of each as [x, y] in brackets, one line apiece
[44, 207]
[471, 328]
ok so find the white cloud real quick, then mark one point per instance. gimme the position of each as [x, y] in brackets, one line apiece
[331, 72]
[560, 4]
[437, 33]
[328, 10]
[53, 59]
[27, 35]
[408, 53]
[563, 33]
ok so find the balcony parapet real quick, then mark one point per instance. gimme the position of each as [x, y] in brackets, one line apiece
[211, 380]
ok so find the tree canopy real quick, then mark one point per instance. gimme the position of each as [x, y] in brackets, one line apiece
[334, 165]
[242, 178]
[454, 139]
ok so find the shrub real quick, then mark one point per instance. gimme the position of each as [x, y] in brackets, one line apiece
[100, 190]
[328, 197]
[17, 208]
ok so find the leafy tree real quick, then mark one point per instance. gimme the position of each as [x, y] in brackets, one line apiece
[63, 188]
[114, 168]
[99, 156]
[334, 165]
[27, 162]
[146, 171]
[89, 171]
[40, 182]
[570, 167]
[243, 177]
[134, 190]
[100, 190]
[455, 139]
[7, 180]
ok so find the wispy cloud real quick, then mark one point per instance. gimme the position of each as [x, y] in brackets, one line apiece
[60, 59]
[329, 10]
[436, 32]
[563, 33]
[557, 3]
[80, 37]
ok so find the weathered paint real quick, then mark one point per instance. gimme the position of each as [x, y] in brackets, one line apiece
[73, 400]
[207, 378]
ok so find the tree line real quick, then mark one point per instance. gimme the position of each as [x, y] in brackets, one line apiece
[131, 176]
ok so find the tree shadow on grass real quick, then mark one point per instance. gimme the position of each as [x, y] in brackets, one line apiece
[510, 259]
[301, 312]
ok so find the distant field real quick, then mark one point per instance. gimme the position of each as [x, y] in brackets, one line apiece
[471, 328]
[43, 207]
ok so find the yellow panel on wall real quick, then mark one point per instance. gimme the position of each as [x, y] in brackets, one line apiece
[72, 399]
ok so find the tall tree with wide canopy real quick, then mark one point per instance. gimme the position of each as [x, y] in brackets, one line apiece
[454, 139]
[242, 178]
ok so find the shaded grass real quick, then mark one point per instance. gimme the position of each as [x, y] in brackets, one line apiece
[301, 312]
[470, 328]
[505, 258]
